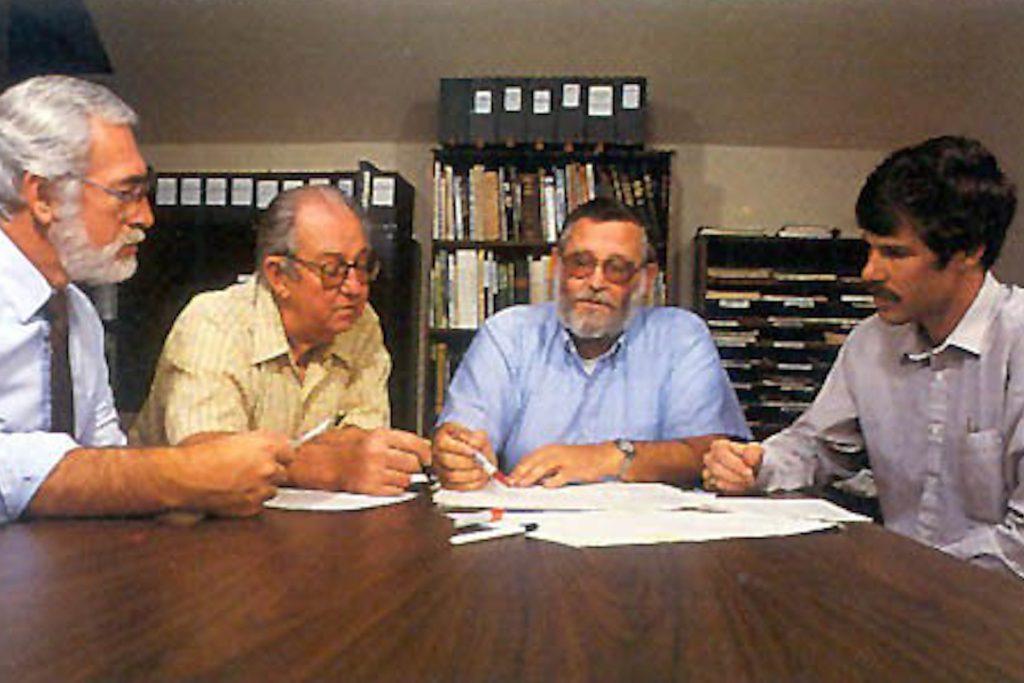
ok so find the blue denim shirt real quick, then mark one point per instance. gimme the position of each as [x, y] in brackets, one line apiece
[524, 383]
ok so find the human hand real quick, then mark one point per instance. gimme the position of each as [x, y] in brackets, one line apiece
[731, 467]
[380, 462]
[560, 464]
[454, 461]
[229, 475]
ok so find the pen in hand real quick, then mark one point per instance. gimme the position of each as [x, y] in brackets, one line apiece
[490, 469]
[318, 430]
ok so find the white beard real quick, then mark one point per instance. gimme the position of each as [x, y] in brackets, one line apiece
[584, 328]
[89, 264]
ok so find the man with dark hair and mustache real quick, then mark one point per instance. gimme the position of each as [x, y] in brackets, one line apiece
[924, 393]
[594, 386]
[73, 205]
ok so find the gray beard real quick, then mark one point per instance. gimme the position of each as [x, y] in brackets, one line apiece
[85, 262]
[585, 329]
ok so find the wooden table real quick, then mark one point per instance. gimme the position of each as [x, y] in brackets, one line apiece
[380, 595]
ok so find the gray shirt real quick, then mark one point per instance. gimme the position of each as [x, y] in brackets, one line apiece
[940, 427]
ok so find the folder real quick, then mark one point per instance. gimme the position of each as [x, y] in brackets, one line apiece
[453, 113]
[541, 118]
[482, 114]
[630, 114]
[512, 113]
[571, 97]
[599, 124]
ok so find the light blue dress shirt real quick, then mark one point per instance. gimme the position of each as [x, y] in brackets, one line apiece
[28, 452]
[524, 383]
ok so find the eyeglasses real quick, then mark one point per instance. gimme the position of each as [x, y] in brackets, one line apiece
[334, 273]
[617, 270]
[139, 190]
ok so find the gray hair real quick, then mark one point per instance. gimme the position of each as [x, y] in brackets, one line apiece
[45, 130]
[275, 232]
[605, 210]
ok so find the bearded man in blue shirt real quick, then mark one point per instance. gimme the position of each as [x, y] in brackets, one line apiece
[594, 386]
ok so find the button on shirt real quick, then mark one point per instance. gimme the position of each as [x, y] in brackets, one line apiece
[523, 382]
[28, 452]
[940, 428]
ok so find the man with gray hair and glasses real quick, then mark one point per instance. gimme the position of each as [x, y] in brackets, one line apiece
[73, 205]
[594, 386]
[296, 347]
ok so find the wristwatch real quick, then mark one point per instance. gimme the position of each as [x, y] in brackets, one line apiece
[628, 455]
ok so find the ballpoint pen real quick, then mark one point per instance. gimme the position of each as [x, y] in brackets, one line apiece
[319, 429]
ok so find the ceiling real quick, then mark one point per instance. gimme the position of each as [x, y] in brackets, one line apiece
[797, 73]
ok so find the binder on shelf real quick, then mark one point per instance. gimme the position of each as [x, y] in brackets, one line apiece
[572, 100]
[482, 114]
[599, 123]
[631, 102]
[512, 113]
[541, 118]
[453, 112]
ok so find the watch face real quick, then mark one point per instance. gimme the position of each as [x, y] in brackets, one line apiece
[626, 446]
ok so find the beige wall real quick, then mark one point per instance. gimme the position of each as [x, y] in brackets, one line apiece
[745, 187]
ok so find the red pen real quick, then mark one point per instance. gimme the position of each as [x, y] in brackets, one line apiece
[490, 469]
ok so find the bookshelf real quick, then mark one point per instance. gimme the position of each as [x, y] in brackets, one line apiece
[204, 238]
[497, 213]
[778, 308]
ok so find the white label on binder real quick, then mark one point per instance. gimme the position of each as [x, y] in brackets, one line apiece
[191, 191]
[291, 184]
[383, 191]
[347, 187]
[216, 191]
[513, 98]
[482, 102]
[241, 191]
[266, 190]
[631, 96]
[166, 191]
[541, 101]
[600, 100]
[319, 181]
[571, 95]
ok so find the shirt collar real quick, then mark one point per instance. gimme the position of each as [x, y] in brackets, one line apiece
[969, 333]
[21, 283]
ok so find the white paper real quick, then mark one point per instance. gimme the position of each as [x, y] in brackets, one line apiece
[332, 501]
[611, 528]
[541, 101]
[191, 191]
[347, 187]
[631, 96]
[787, 508]
[382, 191]
[266, 190]
[600, 100]
[166, 191]
[241, 191]
[482, 102]
[513, 99]
[603, 496]
[571, 95]
[216, 191]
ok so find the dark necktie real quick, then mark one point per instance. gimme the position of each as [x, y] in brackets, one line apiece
[62, 417]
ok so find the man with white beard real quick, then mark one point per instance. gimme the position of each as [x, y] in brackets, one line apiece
[73, 207]
[594, 386]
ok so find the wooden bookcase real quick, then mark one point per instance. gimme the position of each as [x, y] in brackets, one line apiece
[497, 213]
[779, 308]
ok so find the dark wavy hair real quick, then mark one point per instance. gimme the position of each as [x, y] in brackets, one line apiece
[949, 189]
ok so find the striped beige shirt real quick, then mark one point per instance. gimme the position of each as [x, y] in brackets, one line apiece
[226, 367]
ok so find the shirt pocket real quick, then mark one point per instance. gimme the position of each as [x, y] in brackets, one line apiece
[981, 471]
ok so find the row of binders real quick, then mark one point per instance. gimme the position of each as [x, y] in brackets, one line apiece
[543, 111]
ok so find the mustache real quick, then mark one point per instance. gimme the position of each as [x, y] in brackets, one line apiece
[593, 297]
[133, 236]
[881, 292]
